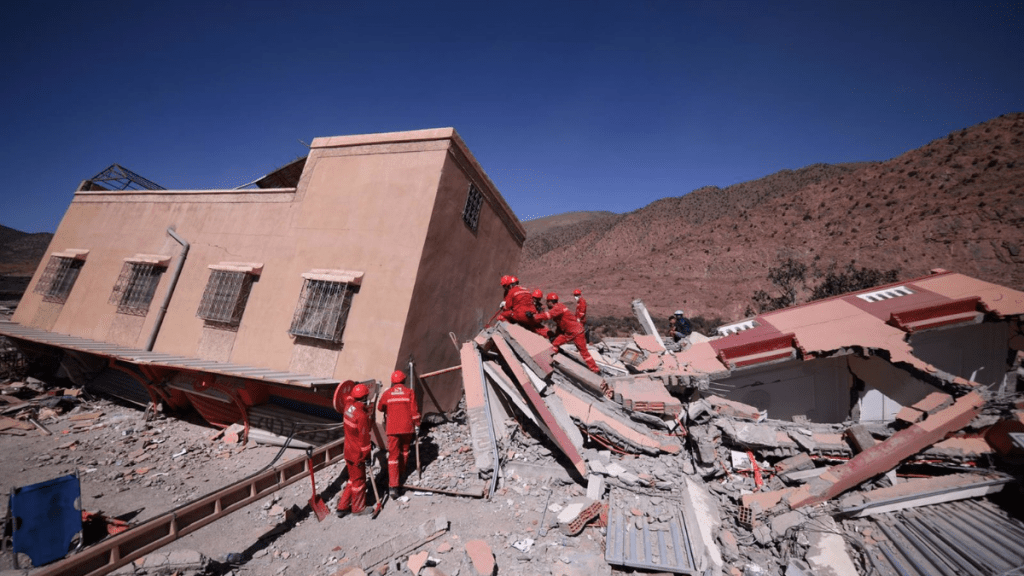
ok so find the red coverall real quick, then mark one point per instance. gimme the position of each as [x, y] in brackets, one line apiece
[398, 404]
[518, 302]
[569, 330]
[357, 450]
[581, 310]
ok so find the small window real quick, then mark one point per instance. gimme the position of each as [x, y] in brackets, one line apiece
[323, 309]
[225, 297]
[135, 287]
[471, 213]
[59, 278]
[886, 294]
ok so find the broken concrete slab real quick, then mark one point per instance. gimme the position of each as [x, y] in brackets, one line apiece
[603, 418]
[476, 409]
[700, 512]
[557, 434]
[909, 415]
[496, 375]
[595, 487]
[649, 343]
[532, 348]
[536, 473]
[417, 561]
[794, 464]
[481, 557]
[827, 553]
[859, 438]
[402, 543]
[886, 455]
[933, 402]
[644, 394]
[580, 374]
[735, 409]
[644, 317]
[923, 491]
[784, 522]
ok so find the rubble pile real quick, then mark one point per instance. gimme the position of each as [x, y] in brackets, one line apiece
[652, 428]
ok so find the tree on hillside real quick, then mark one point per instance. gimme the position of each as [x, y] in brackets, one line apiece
[790, 279]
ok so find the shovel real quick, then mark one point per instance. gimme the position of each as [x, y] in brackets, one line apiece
[316, 503]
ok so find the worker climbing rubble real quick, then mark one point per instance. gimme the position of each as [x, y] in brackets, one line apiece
[517, 304]
[357, 452]
[568, 329]
[398, 404]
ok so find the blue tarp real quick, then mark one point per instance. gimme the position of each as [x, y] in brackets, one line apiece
[47, 516]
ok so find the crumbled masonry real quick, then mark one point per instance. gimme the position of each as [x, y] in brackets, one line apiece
[675, 458]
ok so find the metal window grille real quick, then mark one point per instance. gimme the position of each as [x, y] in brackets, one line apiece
[135, 287]
[471, 213]
[322, 310]
[58, 278]
[225, 297]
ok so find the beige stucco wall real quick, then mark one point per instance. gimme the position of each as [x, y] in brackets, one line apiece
[457, 284]
[363, 203]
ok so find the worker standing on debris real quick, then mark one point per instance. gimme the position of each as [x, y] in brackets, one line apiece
[679, 326]
[398, 404]
[568, 329]
[357, 452]
[518, 303]
[581, 312]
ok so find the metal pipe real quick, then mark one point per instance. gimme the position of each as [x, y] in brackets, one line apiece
[479, 494]
[439, 372]
[170, 288]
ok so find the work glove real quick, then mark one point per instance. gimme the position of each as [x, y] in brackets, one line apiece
[529, 315]
[502, 305]
[416, 430]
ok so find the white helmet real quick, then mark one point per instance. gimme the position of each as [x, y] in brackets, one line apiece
[678, 312]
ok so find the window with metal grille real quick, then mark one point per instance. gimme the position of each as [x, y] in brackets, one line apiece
[135, 287]
[471, 213]
[322, 310]
[58, 278]
[225, 297]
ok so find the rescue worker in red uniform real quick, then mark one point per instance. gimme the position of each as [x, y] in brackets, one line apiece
[357, 452]
[538, 300]
[568, 329]
[398, 404]
[581, 306]
[518, 302]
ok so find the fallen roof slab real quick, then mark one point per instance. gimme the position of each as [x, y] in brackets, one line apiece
[884, 456]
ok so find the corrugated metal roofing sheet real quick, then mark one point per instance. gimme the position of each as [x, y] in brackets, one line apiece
[136, 356]
[970, 537]
[648, 532]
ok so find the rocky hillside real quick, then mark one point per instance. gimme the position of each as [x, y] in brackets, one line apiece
[956, 203]
[20, 252]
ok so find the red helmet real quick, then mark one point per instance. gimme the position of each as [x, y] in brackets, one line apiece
[397, 377]
[538, 293]
[509, 280]
[577, 292]
[552, 297]
[360, 391]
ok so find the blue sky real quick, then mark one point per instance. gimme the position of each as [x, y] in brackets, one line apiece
[567, 106]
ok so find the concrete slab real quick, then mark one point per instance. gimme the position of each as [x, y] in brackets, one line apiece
[827, 554]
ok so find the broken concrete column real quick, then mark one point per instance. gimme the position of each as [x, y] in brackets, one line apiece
[700, 510]
[476, 409]
[644, 318]
[886, 455]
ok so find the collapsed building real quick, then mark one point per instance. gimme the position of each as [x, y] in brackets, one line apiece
[834, 437]
[255, 303]
[865, 404]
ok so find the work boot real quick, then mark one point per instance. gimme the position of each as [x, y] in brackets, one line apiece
[393, 492]
[343, 513]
